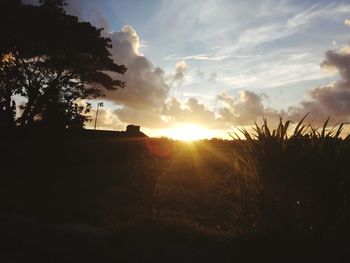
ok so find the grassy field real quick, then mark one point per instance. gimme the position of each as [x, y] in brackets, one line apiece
[215, 195]
[108, 182]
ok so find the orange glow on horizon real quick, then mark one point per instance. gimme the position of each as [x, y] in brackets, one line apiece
[188, 132]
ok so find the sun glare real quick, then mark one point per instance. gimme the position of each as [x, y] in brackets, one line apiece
[189, 132]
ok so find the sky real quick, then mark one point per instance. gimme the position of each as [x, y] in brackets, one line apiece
[222, 64]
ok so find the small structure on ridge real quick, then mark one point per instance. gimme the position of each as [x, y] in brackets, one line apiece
[134, 131]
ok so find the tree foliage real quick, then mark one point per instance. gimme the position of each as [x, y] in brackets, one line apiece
[53, 61]
[8, 86]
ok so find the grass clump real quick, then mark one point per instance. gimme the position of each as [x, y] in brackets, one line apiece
[292, 183]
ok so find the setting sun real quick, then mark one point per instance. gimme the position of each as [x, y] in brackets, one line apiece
[189, 132]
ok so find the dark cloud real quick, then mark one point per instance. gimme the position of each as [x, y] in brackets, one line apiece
[330, 100]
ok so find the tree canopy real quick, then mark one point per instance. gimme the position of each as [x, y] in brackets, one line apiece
[52, 60]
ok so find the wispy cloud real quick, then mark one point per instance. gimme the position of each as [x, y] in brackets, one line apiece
[196, 57]
[272, 31]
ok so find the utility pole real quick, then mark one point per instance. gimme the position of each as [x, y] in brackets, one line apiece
[100, 104]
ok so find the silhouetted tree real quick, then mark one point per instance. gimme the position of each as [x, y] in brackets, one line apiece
[53, 4]
[7, 88]
[56, 61]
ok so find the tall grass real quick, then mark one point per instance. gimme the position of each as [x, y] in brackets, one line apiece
[292, 183]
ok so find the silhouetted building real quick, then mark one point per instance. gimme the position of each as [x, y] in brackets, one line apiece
[133, 129]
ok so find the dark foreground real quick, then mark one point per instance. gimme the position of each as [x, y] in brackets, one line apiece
[101, 198]
[25, 239]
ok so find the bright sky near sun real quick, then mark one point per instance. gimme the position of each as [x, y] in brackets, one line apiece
[206, 66]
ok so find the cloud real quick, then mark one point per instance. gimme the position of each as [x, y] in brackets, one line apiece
[209, 57]
[107, 120]
[274, 30]
[279, 68]
[145, 100]
[142, 100]
[213, 77]
[146, 87]
[345, 49]
[146, 118]
[192, 111]
[180, 69]
[245, 109]
[329, 100]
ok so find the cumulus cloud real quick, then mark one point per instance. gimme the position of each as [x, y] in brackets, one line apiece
[146, 88]
[244, 109]
[345, 49]
[107, 120]
[145, 99]
[147, 118]
[329, 100]
[127, 40]
[180, 69]
[192, 111]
